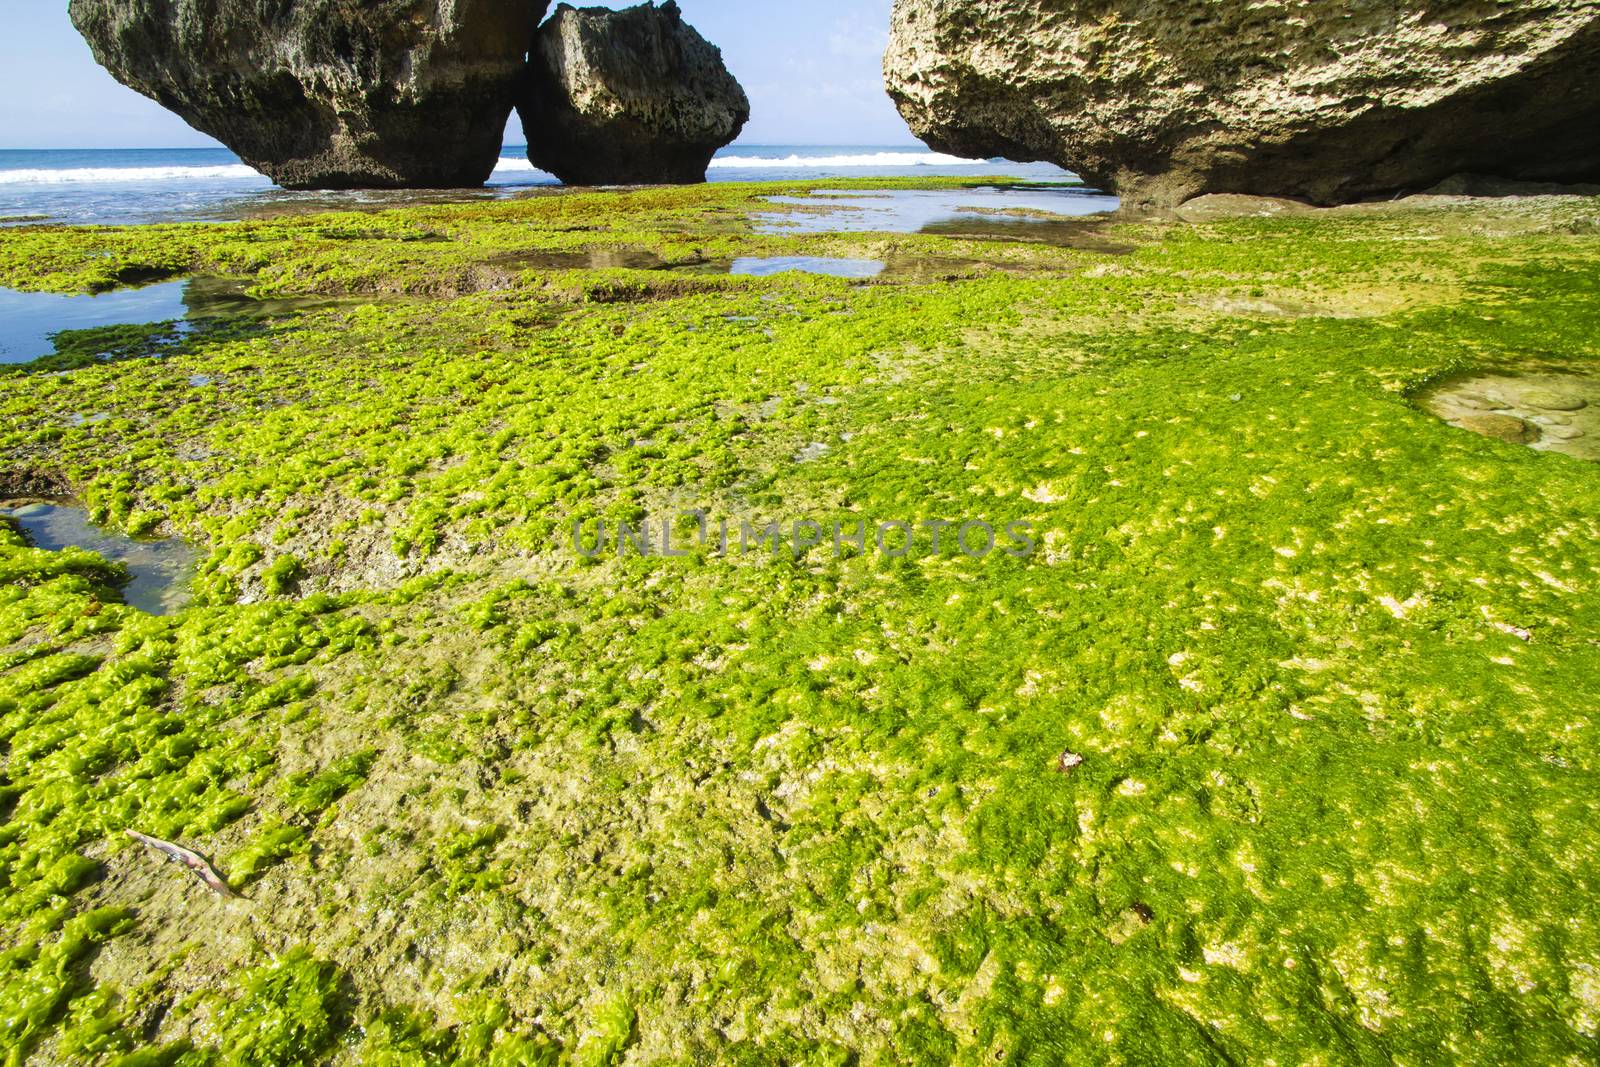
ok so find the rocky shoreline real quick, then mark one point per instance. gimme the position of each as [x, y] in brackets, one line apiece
[1277, 745]
[1301, 672]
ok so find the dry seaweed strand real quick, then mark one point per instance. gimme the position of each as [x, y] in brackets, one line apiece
[193, 861]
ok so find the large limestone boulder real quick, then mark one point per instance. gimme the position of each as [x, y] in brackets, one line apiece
[1327, 100]
[627, 97]
[328, 94]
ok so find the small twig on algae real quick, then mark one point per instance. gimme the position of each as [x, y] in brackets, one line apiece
[195, 863]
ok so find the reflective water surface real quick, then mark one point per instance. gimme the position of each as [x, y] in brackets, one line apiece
[1014, 208]
[160, 570]
[28, 320]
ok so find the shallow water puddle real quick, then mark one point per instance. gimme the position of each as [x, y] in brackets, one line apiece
[926, 210]
[1549, 412]
[768, 266]
[160, 570]
[28, 320]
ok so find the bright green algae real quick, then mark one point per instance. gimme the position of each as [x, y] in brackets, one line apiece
[1330, 663]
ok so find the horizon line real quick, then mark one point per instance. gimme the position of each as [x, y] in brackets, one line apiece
[508, 144]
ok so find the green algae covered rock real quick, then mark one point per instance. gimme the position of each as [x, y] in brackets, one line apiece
[1281, 747]
[1501, 428]
[1554, 400]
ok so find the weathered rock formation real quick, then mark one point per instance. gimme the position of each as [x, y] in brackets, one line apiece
[1327, 100]
[627, 97]
[328, 94]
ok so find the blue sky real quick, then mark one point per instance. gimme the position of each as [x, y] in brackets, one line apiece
[811, 70]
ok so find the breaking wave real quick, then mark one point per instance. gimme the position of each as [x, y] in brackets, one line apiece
[506, 166]
[90, 175]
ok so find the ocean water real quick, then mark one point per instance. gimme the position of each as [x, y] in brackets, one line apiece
[131, 186]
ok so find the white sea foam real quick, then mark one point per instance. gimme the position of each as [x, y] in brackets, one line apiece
[505, 166]
[872, 159]
[104, 175]
[508, 165]
[89, 175]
